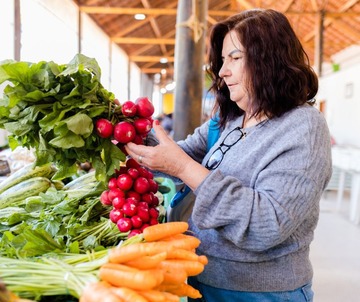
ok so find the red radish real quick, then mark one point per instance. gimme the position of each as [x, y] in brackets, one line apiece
[143, 204]
[143, 213]
[155, 202]
[132, 163]
[143, 172]
[154, 213]
[150, 174]
[129, 209]
[154, 186]
[144, 226]
[115, 193]
[104, 198]
[124, 224]
[144, 107]
[136, 221]
[121, 170]
[118, 202]
[148, 197]
[153, 221]
[124, 132]
[132, 200]
[142, 126]
[138, 139]
[133, 172]
[104, 128]
[129, 109]
[112, 183]
[134, 232]
[124, 182]
[141, 185]
[134, 195]
[115, 215]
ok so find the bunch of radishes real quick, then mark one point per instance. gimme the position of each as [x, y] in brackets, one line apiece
[134, 127]
[131, 193]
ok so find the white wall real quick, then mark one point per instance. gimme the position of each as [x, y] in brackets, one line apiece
[7, 29]
[49, 32]
[341, 92]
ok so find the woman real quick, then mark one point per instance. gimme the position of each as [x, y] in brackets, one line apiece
[258, 188]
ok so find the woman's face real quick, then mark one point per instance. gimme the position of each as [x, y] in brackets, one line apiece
[233, 71]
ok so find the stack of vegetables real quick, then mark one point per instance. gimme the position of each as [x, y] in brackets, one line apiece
[62, 233]
[152, 266]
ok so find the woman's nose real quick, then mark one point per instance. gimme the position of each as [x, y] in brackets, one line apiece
[224, 71]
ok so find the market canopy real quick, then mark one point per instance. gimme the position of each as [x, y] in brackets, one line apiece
[324, 27]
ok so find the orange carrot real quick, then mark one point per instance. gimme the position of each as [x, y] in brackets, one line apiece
[98, 291]
[171, 297]
[174, 275]
[134, 251]
[138, 279]
[186, 290]
[186, 242]
[152, 295]
[118, 266]
[147, 262]
[162, 230]
[182, 254]
[192, 268]
[167, 287]
[128, 294]
[203, 259]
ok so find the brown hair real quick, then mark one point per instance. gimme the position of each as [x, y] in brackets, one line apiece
[279, 73]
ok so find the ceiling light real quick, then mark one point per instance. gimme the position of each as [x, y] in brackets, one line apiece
[163, 60]
[139, 16]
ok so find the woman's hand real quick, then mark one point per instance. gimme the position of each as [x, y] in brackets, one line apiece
[168, 157]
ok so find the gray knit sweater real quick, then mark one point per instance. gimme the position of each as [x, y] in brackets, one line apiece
[256, 213]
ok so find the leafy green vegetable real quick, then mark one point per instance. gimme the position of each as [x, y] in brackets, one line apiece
[52, 109]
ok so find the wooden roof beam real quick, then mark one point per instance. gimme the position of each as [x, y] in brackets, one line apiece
[135, 40]
[155, 59]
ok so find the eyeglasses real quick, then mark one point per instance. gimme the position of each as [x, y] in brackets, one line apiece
[230, 140]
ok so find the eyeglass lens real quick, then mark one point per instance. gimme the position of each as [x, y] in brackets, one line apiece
[230, 140]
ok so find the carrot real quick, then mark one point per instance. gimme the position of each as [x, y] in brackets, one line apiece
[118, 266]
[134, 251]
[186, 290]
[162, 230]
[138, 279]
[174, 275]
[171, 297]
[128, 294]
[167, 287]
[186, 242]
[203, 259]
[152, 295]
[147, 262]
[98, 291]
[192, 268]
[182, 254]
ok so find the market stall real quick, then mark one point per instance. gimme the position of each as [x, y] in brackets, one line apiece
[73, 233]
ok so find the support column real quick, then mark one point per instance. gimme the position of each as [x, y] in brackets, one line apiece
[189, 62]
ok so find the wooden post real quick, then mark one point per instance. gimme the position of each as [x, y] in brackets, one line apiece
[17, 31]
[189, 62]
[319, 42]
